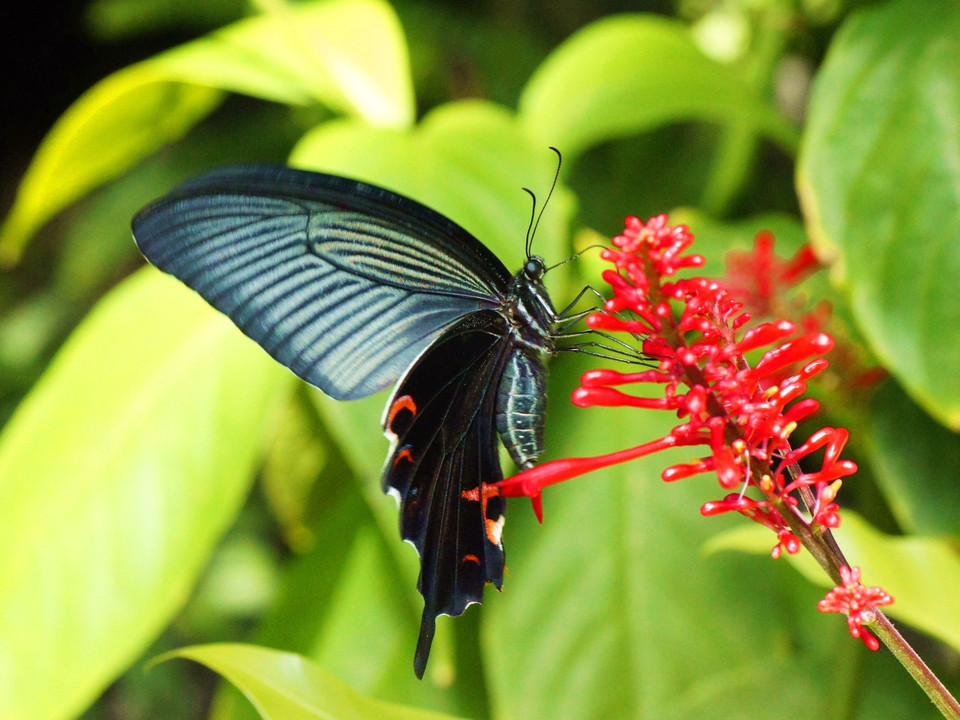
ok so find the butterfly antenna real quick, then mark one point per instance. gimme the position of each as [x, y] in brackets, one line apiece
[556, 178]
[576, 255]
[530, 227]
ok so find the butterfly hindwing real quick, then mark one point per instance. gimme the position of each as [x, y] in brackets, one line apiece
[343, 282]
[441, 420]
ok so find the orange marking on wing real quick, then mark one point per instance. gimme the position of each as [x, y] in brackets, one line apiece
[493, 528]
[487, 491]
[471, 558]
[404, 454]
[404, 402]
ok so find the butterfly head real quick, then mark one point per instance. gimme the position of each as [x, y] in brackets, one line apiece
[534, 268]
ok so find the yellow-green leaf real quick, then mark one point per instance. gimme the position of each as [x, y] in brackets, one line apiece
[630, 73]
[879, 181]
[289, 687]
[119, 473]
[349, 55]
[920, 572]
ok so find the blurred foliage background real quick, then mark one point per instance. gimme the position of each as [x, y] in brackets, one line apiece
[163, 484]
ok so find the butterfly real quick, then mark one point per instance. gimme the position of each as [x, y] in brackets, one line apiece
[355, 288]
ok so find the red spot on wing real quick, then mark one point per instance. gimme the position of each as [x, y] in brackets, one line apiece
[483, 493]
[404, 454]
[404, 402]
[471, 558]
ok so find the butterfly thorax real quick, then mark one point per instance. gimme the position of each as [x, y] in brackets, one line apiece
[529, 310]
[521, 392]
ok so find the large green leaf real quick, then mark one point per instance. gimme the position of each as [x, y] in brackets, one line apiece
[915, 460]
[631, 73]
[920, 572]
[284, 686]
[119, 473]
[348, 55]
[879, 179]
[468, 160]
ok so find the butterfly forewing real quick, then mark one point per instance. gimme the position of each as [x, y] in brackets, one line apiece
[342, 282]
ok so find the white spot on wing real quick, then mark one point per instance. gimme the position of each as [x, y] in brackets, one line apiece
[395, 494]
[495, 531]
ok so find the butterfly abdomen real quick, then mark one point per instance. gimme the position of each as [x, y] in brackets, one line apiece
[521, 407]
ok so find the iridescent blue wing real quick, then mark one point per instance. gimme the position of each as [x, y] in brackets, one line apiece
[343, 282]
[441, 420]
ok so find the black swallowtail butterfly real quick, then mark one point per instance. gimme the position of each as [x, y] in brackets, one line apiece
[355, 288]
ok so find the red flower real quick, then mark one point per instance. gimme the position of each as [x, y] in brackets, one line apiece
[857, 602]
[740, 409]
[758, 278]
[743, 416]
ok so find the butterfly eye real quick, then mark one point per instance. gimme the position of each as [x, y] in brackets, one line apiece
[534, 269]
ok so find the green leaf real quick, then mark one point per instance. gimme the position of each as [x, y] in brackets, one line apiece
[914, 459]
[121, 119]
[119, 473]
[879, 179]
[288, 686]
[468, 160]
[355, 428]
[348, 55]
[627, 74]
[296, 458]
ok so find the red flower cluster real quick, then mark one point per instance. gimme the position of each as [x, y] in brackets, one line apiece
[743, 415]
[758, 278]
[857, 602]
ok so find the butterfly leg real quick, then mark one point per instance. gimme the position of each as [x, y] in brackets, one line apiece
[565, 313]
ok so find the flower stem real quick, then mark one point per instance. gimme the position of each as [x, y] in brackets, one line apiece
[832, 559]
[824, 548]
[914, 665]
